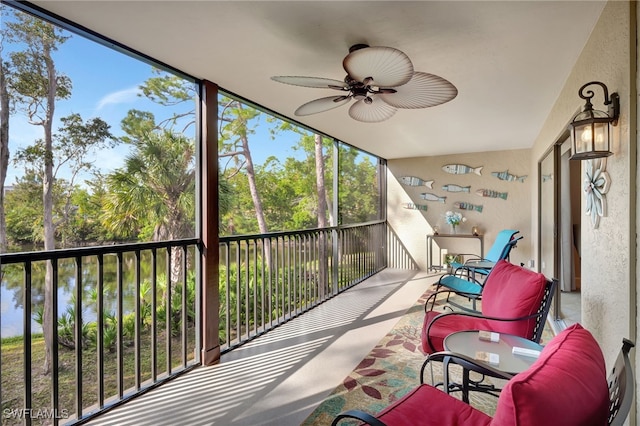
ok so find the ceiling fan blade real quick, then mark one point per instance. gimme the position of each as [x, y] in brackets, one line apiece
[321, 105]
[422, 91]
[387, 66]
[316, 82]
[374, 112]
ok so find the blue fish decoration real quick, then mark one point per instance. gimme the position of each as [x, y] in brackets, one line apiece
[456, 188]
[492, 194]
[461, 169]
[508, 176]
[468, 206]
[412, 206]
[432, 197]
[415, 181]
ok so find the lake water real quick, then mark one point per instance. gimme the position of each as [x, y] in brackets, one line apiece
[12, 313]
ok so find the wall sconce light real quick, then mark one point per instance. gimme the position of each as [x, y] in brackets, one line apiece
[591, 129]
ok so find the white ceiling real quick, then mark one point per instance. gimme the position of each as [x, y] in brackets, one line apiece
[508, 59]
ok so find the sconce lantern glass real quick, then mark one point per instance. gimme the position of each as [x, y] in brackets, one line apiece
[591, 130]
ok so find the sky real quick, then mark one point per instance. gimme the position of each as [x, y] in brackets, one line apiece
[106, 85]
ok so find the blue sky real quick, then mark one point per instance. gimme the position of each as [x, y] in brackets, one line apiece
[106, 85]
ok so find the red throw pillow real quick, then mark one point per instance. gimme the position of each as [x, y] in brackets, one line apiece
[566, 386]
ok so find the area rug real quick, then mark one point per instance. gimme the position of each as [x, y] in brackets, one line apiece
[389, 371]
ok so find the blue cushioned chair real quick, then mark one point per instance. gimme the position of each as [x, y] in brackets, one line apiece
[500, 249]
[468, 278]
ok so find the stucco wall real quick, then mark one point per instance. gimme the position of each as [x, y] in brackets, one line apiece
[412, 226]
[608, 253]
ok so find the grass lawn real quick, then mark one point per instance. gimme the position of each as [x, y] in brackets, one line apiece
[13, 382]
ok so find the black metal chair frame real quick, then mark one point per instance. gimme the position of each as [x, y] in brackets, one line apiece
[621, 386]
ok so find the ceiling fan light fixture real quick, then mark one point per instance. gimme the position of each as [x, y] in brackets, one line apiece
[373, 112]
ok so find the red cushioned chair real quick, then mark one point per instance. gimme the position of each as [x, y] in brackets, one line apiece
[567, 385]
[515, 300]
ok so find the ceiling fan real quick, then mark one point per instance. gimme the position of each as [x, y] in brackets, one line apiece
[381, 80]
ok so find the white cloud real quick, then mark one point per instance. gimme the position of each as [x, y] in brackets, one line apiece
[125, 96]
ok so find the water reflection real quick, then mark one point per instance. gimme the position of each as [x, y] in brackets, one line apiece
[11, 288]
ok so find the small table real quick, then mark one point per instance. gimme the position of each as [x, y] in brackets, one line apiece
[468, 343]
[432, 237]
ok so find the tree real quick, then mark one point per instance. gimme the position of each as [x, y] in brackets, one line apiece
[234, 139]
[4, 144]
[153, 195]
[35, 85]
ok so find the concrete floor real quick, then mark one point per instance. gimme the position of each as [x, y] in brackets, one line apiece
[570, 307]
[280, 377]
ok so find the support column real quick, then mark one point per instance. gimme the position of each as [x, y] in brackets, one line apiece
[209, 221]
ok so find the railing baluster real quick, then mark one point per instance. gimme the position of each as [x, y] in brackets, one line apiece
[238, 294]
[185, 311]
[168, 313]
[138, 320]
[289, 311]
[55, 372]
[255, 286]
[154, 315]
[119, 314]
[263, 319]
[26, 302]
[78, 336]
[227, 287]
[247, 289]
[100, 330]
[270, 277]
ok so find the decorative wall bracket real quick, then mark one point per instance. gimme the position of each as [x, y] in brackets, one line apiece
[596, 186]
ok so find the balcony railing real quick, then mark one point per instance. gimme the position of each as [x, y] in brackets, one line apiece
[125, 321]
[126, 315]
[268, 279]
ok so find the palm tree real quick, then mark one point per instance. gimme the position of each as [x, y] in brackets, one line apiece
[153, 196]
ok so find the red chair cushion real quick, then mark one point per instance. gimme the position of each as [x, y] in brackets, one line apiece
[428, 405]
[512, 292]
[566, 386]
[447, 324]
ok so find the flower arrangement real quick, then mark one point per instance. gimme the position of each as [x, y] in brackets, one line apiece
[454, 218]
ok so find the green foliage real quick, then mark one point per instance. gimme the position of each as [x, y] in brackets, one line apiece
[66, 319]
[153, 195]
[24, 210]
[29, 69]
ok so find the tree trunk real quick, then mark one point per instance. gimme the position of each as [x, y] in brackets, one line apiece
[323, 261]
[255, 195]
[47, 198]
[4, 152]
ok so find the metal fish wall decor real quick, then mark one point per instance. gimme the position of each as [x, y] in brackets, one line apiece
[461, 169]
[456, 188]
[468, 206]
[492, 194]
[412, 206]
[432, 197]
[547, 178]
[416, 181]
[508, 176]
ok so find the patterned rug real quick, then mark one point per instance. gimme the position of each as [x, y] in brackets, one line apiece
[391, 370]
